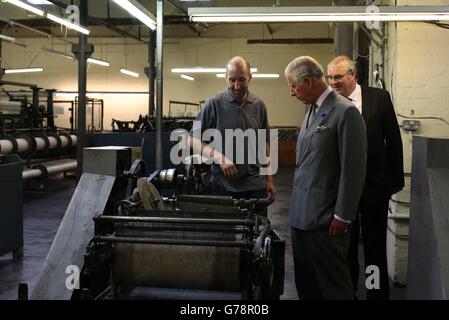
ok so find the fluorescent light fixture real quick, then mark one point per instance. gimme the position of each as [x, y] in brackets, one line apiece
[25, 70]
[137, 10]
[3, 37]
[40, 2]
[187, 77]
[129, 73]
[59, 53]
[319, 14]
[203, 70]
[26, 6]
[67, 23]
[99, 62]
[255, 75]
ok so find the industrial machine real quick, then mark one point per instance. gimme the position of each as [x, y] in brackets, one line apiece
[157, 232]
[27, 129]
[148, 124]
[184, 241]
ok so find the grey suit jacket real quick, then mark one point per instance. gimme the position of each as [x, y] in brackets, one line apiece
[330, 165]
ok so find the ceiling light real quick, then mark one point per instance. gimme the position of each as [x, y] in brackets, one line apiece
[137, 10]
[59, 53]
[203, 70]
[23, 70]
[40, 2]
[7, 38]
[25, 6]
[319, 14]
[255, 75]
[99, 62]
[129, 73]
[67, 23]
[187, 77]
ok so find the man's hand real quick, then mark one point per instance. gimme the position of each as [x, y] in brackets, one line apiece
[271, 190]
[337, 228]
[229, 169]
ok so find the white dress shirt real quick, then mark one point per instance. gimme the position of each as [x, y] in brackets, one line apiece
[356, 97]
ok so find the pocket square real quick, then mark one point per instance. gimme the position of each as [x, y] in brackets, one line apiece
[321, 128]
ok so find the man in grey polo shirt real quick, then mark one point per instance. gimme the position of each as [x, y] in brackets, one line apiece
[235, 108]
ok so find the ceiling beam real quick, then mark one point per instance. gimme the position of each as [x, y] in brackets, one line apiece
[291, 41]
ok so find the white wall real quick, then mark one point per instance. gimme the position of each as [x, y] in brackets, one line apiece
[61, 73]
[418, 78]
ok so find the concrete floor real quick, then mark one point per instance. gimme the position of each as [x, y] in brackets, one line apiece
[43, 213]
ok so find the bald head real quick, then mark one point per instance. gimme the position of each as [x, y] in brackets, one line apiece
[341, 75]
[238, 62]
[238, 77]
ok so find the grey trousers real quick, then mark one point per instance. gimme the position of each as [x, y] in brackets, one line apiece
[321, 265]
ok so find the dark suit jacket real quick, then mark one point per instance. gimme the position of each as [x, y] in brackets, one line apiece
[385, 167]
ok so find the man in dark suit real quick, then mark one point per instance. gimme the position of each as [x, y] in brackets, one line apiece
[385, 172]
[328, 181]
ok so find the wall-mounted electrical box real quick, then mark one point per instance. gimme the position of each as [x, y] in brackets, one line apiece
[411, 125]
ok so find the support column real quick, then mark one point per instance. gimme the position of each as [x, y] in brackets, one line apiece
[82, 51]
[344, 33]
[159, 82]
[150, 71]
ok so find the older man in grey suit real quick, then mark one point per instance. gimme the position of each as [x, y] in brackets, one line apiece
[329, 177]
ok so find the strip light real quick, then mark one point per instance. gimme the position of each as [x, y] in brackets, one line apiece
[25, 70]
[99, 62]
[67, 23]
[255, 75]
[129, 73]
[137, 10]
[203, 70]
[319, 14]
[187, 77]
[26, 6]
[3, 37]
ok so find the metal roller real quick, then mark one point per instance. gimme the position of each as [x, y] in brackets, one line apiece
[52, 142]
[7, 146]
[50, 167]
[31, 173]
[64, 141]
[10, 107]
[180, 266]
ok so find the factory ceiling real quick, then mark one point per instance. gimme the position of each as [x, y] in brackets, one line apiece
[107, 19]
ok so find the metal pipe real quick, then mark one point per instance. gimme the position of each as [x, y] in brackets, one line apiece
[344, 33]
[173, 220]
[1, 48]
[214, 243]
[151, 70]
[82, 79]
[159, 81]
[51, 167]
[61, 166]
[31, 173]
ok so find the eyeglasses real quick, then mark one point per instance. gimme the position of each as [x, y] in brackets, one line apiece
[337, 77]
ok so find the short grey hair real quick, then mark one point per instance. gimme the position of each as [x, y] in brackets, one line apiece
[304, 66]
[343, 61]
